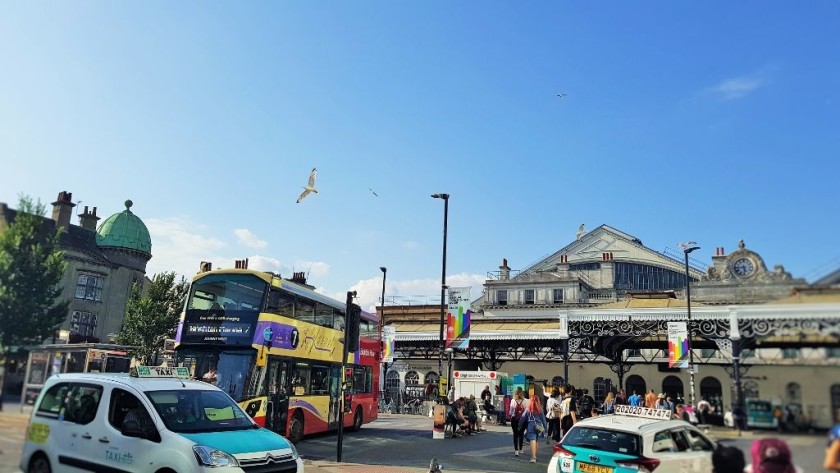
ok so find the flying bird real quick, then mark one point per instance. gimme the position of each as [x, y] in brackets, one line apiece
[560, 96]
[581, 231]
[310, 187]
[374, 192]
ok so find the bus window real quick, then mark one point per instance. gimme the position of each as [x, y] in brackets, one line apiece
[300, 379]
[280, 303]
[304, 310]
[320, 376]
[338, 319]
[323, 315]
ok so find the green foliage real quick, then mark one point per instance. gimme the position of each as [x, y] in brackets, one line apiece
[31, 269]
[152, 315]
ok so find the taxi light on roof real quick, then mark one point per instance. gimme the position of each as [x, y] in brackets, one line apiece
[161, 372]
[646, 412]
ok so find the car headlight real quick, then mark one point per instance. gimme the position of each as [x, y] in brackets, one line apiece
[295, 454]
[209, 456]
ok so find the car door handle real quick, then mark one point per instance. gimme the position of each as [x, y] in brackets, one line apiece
[87, 436]
[104, 440]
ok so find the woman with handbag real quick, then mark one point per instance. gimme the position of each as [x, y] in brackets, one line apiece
[534, 424]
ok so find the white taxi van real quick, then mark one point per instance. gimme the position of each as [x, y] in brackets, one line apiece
[633, 440]
[152, 420]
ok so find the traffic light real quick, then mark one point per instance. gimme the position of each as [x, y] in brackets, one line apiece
[354, 315]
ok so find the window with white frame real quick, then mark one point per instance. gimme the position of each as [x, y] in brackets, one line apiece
[558, 296]
[83, 323]
[529, 296]
[501, 297]
[89, 287]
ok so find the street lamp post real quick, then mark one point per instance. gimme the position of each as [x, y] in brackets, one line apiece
[382, 324]
[445, 198]
[687, 248]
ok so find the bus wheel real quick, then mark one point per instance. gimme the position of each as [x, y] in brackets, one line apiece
[357, 419]
[296, 427]
[39, 464]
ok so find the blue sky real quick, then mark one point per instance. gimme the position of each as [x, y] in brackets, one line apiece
[710, 121]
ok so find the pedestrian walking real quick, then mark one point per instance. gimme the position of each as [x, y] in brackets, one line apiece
[650, 399]
[569, 417]
[608, 407]
[704, 407]
[621, 398]
[553, 412]
[517, 409]
[533, 424]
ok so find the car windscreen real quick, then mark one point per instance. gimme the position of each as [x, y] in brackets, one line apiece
[606, 440]
[194, 411]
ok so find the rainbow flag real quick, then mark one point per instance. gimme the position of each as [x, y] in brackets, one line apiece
[458, 318]
[678, 345]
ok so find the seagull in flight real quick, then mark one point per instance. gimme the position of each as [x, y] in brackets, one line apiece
[560, 96]
[374, 192]
[310, 187]
[581, 230]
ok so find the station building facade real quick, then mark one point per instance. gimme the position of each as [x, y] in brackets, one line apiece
[605, 294]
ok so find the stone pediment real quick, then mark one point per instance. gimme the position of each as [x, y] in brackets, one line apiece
[591, 246]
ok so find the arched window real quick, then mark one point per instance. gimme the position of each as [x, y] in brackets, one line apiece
[635, 383]
[392, 385]
[600, 388]
[673, 386]
[711, 390]
[794, 393]
[412, 378]
[750, 389]
[431, 377]
[557, 381]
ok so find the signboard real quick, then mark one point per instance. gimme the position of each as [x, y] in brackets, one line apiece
[163, 372]
[389, 334]
[678, 348]
[230, 328]
[637, 411]
[458, 318]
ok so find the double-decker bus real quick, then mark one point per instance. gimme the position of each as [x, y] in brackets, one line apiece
[275, 345]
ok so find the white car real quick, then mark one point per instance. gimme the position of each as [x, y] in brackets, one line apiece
[152, 421]
[626, 443]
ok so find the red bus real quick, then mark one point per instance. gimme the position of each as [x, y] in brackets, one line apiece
[275, 346]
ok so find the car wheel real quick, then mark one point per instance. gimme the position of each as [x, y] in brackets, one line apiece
[357, 420]
[296, 427]
[39, 464]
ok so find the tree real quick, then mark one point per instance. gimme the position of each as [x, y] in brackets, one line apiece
[31, 269]
[152, 315]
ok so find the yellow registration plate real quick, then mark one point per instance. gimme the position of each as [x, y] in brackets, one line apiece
[590, 468]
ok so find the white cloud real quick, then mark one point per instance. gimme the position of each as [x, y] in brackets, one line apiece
[313, 268]
[178, 245]
[247, 238]
[411, 291]
[738, 87]
[265, 263]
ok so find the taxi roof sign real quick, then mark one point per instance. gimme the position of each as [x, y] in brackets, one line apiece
[646, 412]
[163, 372]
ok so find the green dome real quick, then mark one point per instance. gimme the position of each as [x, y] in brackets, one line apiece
[124, 230]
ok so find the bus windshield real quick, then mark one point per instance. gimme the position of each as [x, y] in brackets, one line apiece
[227, 292]
[227, 369]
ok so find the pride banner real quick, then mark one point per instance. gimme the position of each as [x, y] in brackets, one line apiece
[389, 333]
[677, 345]
[458, 318]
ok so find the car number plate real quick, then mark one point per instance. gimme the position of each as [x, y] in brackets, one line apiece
[590, 468]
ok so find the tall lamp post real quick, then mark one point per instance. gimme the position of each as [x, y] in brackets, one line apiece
[687, 248]
[382, 324]
[445, 198]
